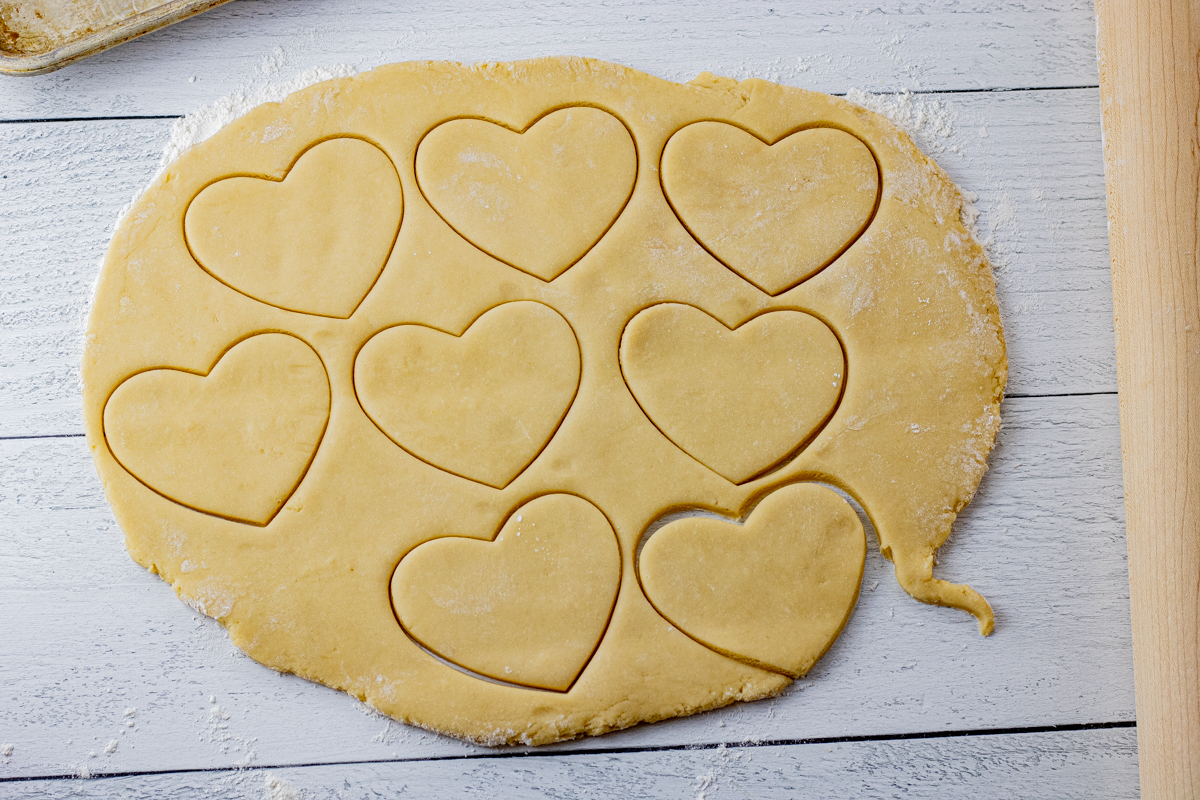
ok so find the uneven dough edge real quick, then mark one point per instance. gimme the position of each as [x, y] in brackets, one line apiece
[909, 538]
[914, 562]
[914, 565]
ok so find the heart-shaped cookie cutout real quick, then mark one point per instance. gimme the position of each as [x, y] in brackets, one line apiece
[481, 405]
[314, 242]
[773, 213]
[528, 607]
[537, 199]
[234, 442]
[774, 592]
[739, 401]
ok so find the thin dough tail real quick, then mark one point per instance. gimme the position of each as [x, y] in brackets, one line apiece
[915, 576]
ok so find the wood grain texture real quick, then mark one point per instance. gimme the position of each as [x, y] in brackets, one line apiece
[1038, 766]
[820, 44]
[87, 635]
[62, 185]
[1038, 174]
[87, 629]
[1150, 86]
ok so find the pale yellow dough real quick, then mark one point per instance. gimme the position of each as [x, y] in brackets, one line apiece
[340, 206]
[773, 213]
[526, 608]
[400, 379]
[775, 591]
[234, 442]
[482, 405]
[739, 401]
[536, 200]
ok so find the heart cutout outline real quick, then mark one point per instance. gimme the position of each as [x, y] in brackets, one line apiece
[331, 274]
[171, 373]
[461, 469]
[442, 547]
[684, 419]
[689, 530]
[554, 272]
[778, 287]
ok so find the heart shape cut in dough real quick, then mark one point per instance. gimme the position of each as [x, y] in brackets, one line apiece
[777, 213]
[538, 199]
[528, 607]
[314, 242]
[235, 442]
[774, 592]
[481, 405]
[739, 401]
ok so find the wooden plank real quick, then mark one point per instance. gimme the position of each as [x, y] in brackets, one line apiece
[62, 187]
[822, 44]
[1033, 766]
[86, 634]
[1038, 173]
[1151, 99]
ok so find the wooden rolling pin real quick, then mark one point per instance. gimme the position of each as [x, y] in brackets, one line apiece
[1150, 98]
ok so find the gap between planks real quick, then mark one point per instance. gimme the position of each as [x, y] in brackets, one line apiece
[931, 92]
[821, 44]
[584, 751]
[684, 747]
[1035, 163]
[1015, 396]
[900, 667]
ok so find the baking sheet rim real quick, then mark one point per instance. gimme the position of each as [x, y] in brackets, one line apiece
[168, 13]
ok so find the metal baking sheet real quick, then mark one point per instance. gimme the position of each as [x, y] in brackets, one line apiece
[42, 35]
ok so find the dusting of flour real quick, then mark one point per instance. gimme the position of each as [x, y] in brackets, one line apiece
[930, 124]
[199, 125]
[191, 130]
[276, 788]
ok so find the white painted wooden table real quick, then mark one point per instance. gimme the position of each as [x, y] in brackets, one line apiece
[103, 672]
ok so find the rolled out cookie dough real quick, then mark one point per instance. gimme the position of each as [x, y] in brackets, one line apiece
[399, 378]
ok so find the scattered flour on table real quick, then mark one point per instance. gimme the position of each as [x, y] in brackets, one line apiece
[201, 124]
[725, 765]
[84, 768]
[276, 788]
[216, 732]
[931, 124]
[191, 130]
